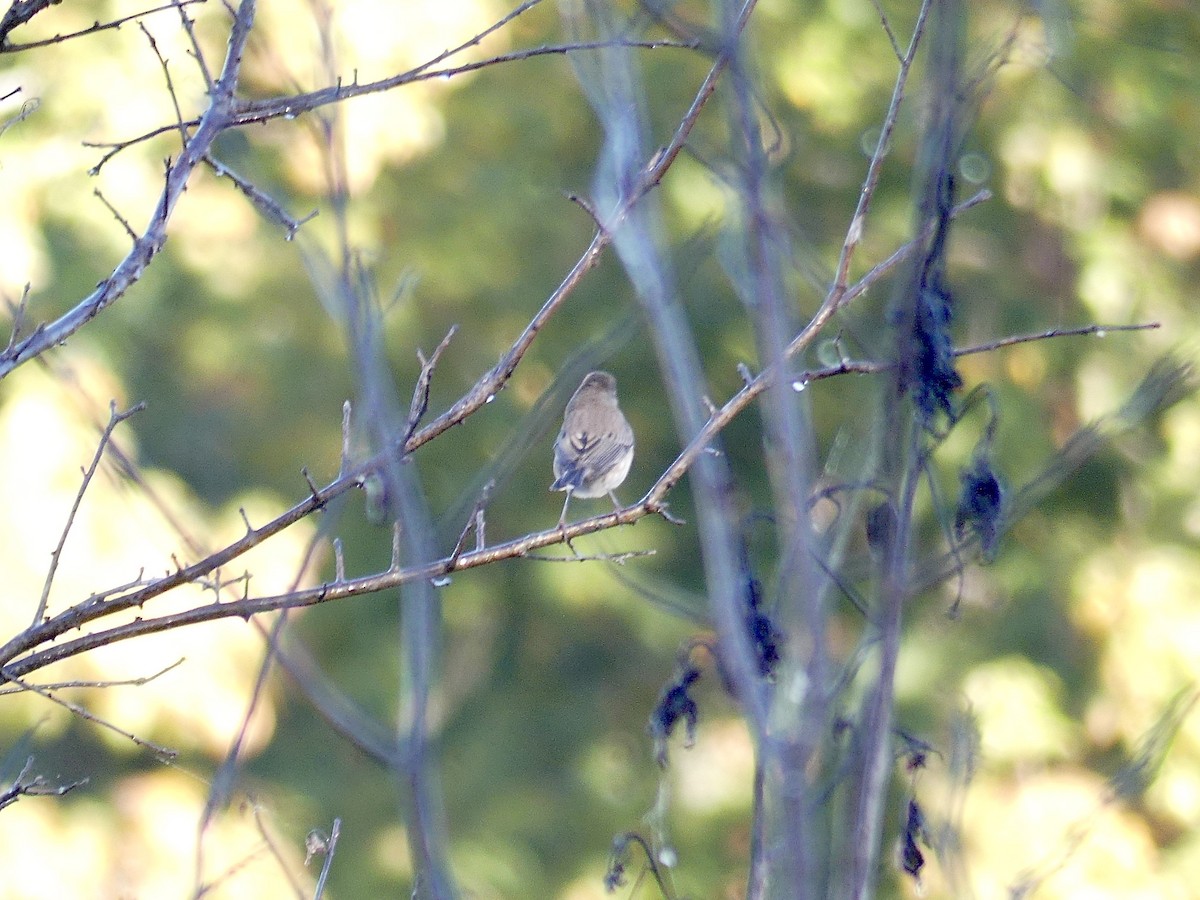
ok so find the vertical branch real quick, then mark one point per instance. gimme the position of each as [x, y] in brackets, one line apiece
[798, 717]
[421, 638]
[114, 419]
[402, 501]
[130, 270]
[632, 218]
[222, 783]
[924, 379]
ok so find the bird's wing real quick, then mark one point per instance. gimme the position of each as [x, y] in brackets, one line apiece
[587, 454]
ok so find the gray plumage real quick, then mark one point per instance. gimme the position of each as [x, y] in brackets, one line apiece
[594, 449]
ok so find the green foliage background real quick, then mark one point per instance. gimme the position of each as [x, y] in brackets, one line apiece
[1068, 649]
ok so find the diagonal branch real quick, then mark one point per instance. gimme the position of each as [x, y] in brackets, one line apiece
[518, 548]
[20, 13]
[127, 273]
[491, 382]
[114, 419]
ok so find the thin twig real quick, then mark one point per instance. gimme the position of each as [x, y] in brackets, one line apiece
[887, 29]
[205, 888]
[214, 120]
[162, 62]
[252, 112]
[268, 207]
[474, 522]
[858, 220]
[273, 849]
[189, 27]
[18, 317]
[116, 215]
[420, 396]
[114, 419]
[395, 576]
[1097, 330]
[164, 754]
[653, 503]
[328, 848]
[125, 682]
[619, 558]
[24, 786]
[6, 47]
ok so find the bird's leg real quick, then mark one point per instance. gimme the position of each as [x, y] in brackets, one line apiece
[562, 518]
[616, 503]
[562, 525]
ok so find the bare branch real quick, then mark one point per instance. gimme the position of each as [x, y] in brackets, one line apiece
[202, 889]
[858, 220]
[114, 419]
[189, 26]
[28, 108]
[28, 9]
[1094, 330]
[164, 754]
[148, 246]
[474, 523]
[269, 843]
[162, 62]
[653, 503]
[258, 111]
[18, 316]
[25, 786]
[266, 205]
[420, 397]
[116, 215]
[887, 29]
[325, 846]
[126, 682]
[619, 558]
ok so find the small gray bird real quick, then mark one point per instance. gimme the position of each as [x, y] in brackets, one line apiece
[595, 447]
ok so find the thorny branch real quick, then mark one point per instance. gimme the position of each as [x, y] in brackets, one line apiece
[215, 120]
[18, 656]
[26, 785]
[254, 112]
[114, 419]
[22, 655]
[653, 503]
[20, 13]
[227, 111]
[166, 754]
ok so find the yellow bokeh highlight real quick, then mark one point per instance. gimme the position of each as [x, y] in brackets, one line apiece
[1016, 704]
[716, 774]
[1098, 389]
[1170, 222]
[44, 168]
[216, 223]
[1181, 428]
[382, 129]
[142, 845]
[825, 74]
[1025, 365]
[697, 196]
[1051, 831]
[1142, 609]
[120, 535]
[1016, 835]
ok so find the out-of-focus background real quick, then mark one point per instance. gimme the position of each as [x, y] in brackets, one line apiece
[1069, 648]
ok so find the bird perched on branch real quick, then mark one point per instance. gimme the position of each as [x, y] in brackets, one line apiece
[595, 447]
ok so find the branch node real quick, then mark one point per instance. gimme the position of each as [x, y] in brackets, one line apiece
[313, 490]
